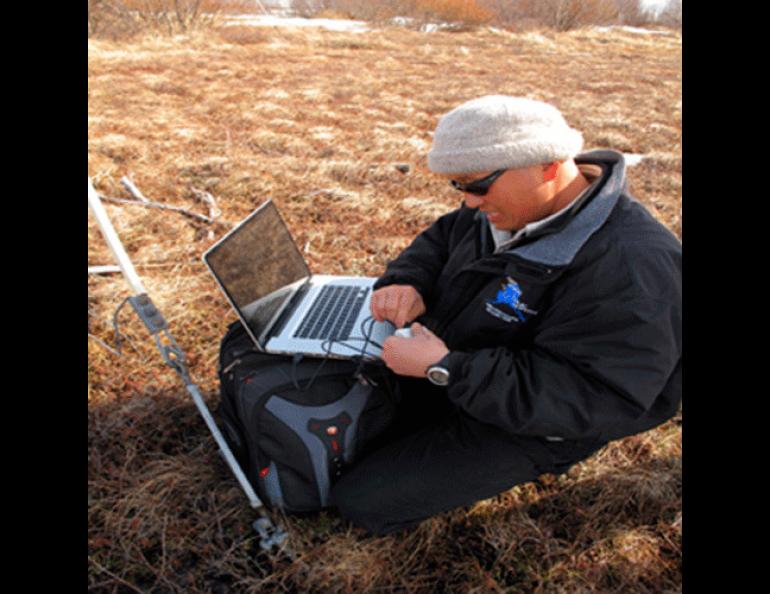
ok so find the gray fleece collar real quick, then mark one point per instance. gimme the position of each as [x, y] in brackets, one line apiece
[561, 247]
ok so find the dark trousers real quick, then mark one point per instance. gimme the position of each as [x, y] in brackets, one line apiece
[435, 458]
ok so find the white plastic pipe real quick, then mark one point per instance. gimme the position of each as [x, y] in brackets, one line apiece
[109, 234]
[129, 273]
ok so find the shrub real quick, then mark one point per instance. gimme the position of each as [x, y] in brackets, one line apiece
[124, 18]
[110, 19]
[561, 15]
[633, 13]
[462, 11]
[671, 15]
[565, 15]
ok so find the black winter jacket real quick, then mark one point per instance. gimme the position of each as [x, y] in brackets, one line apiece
[574, 333]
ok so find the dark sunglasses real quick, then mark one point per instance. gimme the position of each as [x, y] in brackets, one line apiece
[478, 187]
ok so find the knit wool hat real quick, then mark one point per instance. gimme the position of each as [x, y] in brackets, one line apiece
[501, 132]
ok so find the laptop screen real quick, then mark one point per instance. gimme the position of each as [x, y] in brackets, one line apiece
[258, 264]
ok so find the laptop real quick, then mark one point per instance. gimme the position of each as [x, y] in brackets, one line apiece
[283, 307]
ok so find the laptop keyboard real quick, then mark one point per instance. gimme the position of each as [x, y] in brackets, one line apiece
[333, 313]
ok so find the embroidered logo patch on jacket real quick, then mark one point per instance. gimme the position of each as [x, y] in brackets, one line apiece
[507, 304]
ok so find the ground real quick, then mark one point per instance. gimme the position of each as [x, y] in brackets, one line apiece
[335, 126]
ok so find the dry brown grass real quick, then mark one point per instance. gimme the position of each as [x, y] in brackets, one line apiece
[323, 123]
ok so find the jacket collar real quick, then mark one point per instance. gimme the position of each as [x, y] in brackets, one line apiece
[560, 247]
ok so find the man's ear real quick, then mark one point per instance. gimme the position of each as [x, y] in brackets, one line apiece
[550, 170]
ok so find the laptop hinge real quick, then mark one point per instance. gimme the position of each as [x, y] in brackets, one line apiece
[299, 294]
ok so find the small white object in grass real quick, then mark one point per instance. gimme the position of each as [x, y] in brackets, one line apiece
[433, 27]
[402, 21]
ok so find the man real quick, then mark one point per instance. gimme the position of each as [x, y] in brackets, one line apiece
[549, 319]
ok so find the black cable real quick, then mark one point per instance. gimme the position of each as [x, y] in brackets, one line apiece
[368, 336]
[115, 325]
[328, 345]
[295, 360]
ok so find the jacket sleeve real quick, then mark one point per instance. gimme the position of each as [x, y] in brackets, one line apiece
[590, 368]
[421, 263]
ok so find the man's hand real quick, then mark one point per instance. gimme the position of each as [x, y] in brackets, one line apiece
[397, 303]
[412, 356]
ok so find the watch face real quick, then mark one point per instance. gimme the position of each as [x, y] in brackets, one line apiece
[438, 375]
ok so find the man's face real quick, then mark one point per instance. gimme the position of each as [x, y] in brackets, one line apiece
[517, 197]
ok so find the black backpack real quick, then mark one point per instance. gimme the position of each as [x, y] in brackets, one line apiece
[295, 423]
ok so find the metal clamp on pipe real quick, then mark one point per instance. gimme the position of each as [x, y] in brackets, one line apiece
[148, 313]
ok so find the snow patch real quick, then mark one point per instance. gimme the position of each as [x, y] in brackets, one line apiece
[263, 20]
[628, 29]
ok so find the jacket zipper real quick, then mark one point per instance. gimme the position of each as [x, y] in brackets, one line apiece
[461, 303]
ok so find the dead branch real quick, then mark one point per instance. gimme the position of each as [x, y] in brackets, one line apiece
[100, 342]
[103, 269]
[209, 200]
[110, 269]
[103, 569]
[132, 189]
[149, 204]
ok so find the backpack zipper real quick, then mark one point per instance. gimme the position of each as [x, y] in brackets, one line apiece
[238, 355]
[230, 366]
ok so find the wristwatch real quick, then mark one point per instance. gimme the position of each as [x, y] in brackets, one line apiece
[438, 374]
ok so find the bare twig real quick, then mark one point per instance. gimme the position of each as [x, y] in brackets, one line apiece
[180, 210]
[132, 189]
[110, 269]
[103, 269]
[105, 345]
[103, 569]
[209, 200]
[330, 192]
[142, 200]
